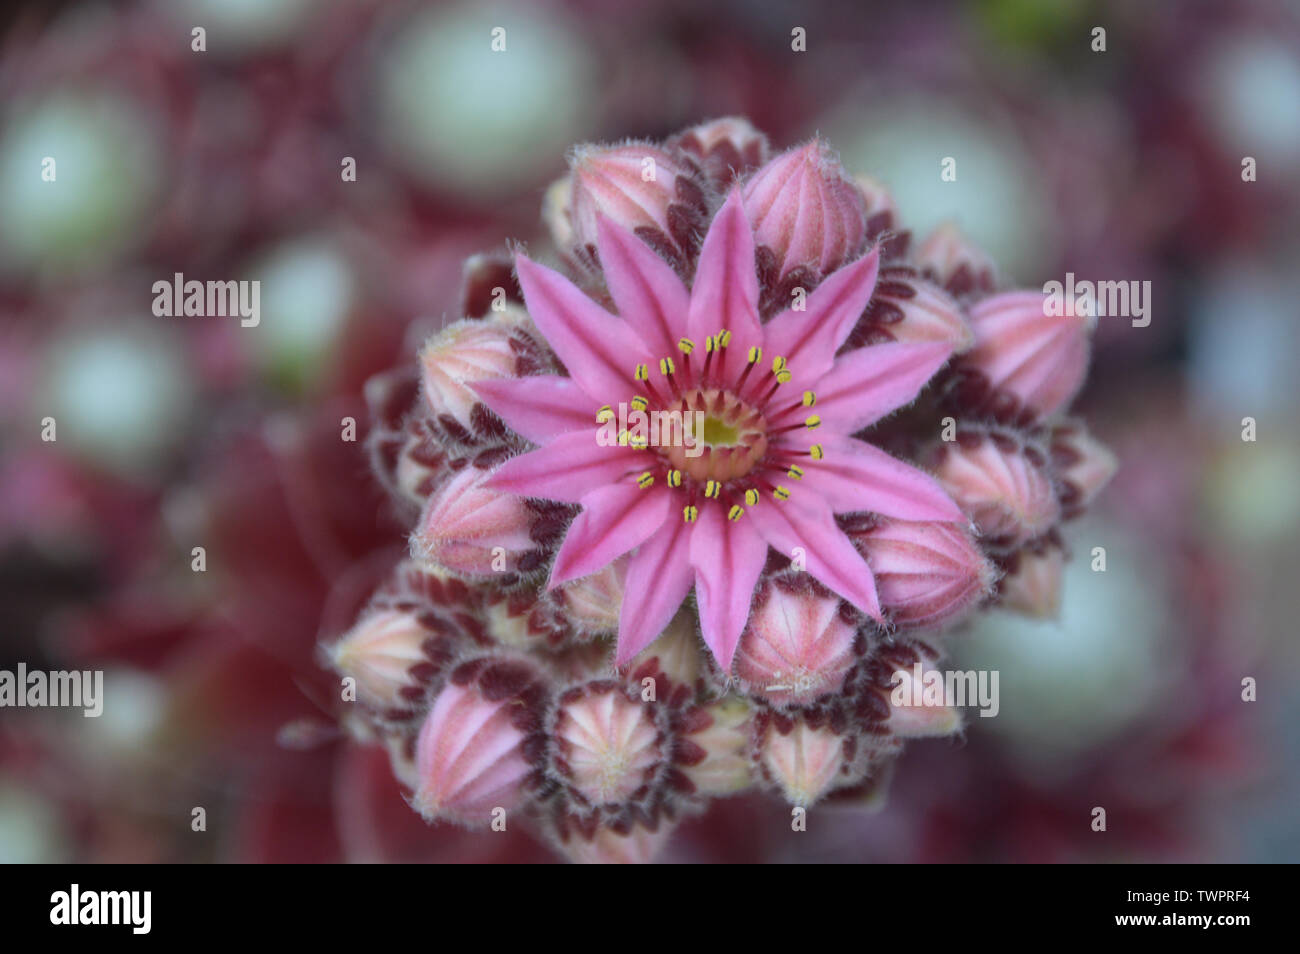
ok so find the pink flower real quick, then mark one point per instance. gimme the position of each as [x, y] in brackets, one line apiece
[774, 462]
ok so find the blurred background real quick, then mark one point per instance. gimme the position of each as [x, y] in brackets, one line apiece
[176, 433]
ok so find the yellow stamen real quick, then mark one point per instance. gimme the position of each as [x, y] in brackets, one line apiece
[712, 489]
[639, 403]
[724, 338]
[796, 473]
[666, 366]
[689, 513]
[645, 480]
[674, 478]
[642, 372]
[778, 364]
[781, 493]
[816, 452]
[809, 399]
[755, 355]
[813, 421]
[783, 377]
[751, 497]
[735, 513]
[606, 413]
[685, 345]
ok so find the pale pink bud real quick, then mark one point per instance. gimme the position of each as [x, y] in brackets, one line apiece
[906, 307]
[473, 530]
[468, 351]
[882, 219]
[1035, 360]
[724, 148]
[1032, 584]
[606, 744]
[640, 187]
[385, 652]
[637, 846]
[955, 262]
[797, 646]
[1083, 465]
[676, 652]
[715, 747]
[919, 705]
[804, 762]
[806, 213]
[926, 573]
[420, 465]
[1002, 486]
[592, 604]
[481, 744]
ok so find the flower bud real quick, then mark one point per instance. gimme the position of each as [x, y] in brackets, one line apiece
[724, 148]
[1032, 584]
[960, 266]
[481, 744]
[715, 744]
[469, 351]
[638, 845]
[926, 573]
[605, 744]
[385, 653]
[906, 307]
[918, 703]
[1082, 464]
[803, 761]
[676, 653]
[1002, 487]
[642, 188]
[797, 646]
[419, 466]
[475, 531]
[1023, 355]
[591, 605]
[806, 213]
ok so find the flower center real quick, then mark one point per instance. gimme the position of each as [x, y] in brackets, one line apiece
[723, 437]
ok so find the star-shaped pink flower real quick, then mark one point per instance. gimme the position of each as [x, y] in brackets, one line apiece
[775, 462]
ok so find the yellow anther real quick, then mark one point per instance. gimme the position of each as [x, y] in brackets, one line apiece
[712, 489]
[755, 355]
[689, 513]
[783, 377]
[710, 343]
[674, 478]
[735, 513]
[622, 438]
[642, 372]
[666, 366]
[809, 399]
[645, 480]
[813, 421]
[796, 473]
[816, 451]
[751, 497]
[724, 338]
[778, 364]
[640, 442]
[685, 345]
[606, 413]
[639, 403]
[781, 493]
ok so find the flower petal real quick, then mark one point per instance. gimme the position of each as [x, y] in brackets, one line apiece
[599, 350]
[808, 339]
[728, 557]
[646, 290]
[659, 576]
[725, 292]
[540, 407]
[807, 524]
[568, 468]
[865, 385]
[614, 519]
[854, 476]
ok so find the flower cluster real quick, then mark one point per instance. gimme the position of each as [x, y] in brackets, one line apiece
[864, 441]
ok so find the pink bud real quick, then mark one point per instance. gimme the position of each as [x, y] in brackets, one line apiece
[716, 743]
[805, 762]
[724, 148]
[906, 307]
[958, 264]
[481, 742]
[1032, 585]
[1083, 465]
[466, 352]
[639, 845]
[473, 530]
[640, 187]
[380, 652]
[421, 463]
[676, 653]
[606, 745]
[1037, 360]
[918, 703]
[1002, 487]
[926, 573]
[592, 604]
[797, 646]
[806, 213]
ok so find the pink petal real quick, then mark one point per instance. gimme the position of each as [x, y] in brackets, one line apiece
[646, 290]
[855, 476]
[614, 519]
[600, 350]
[541, 407]
[865, 385]
[725, 293]
[568, 468]
[659, 576]
[805, 523]
[808, 339]
[728, 557]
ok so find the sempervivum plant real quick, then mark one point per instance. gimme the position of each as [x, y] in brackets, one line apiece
[683, 510]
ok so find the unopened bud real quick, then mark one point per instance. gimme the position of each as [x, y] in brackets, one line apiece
[797, 646]
[1002, 486]
[471, 529]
